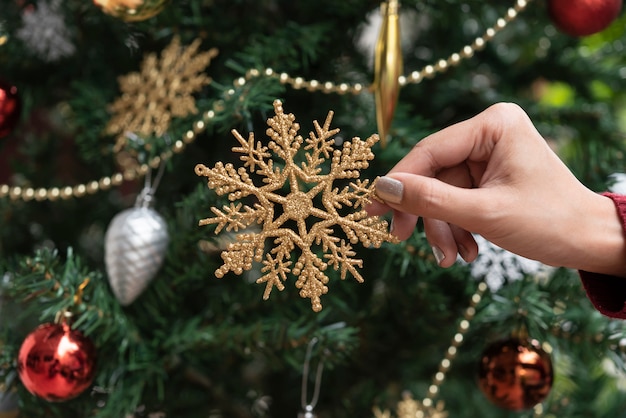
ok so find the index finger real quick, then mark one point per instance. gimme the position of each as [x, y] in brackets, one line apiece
[472, 139]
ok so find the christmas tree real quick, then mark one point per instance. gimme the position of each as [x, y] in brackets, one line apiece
[131, 289]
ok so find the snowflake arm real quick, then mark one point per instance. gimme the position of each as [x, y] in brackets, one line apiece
[354, 156]
[288, 207]
[161, 91]
[319, 145]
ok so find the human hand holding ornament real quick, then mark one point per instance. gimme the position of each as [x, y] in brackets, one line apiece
[495, 175]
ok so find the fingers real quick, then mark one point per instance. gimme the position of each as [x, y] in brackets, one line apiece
[448, 240]
[471, 140]
[403, 224]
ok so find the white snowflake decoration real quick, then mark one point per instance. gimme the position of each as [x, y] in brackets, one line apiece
[618, 183]
[45, 33]
[496, 266]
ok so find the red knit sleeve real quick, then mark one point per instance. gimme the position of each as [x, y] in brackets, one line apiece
[608, 293]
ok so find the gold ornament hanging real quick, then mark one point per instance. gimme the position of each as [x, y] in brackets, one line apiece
[305, 215]
[387, 67]
[411, 408]
[132, 10]
[163, 90]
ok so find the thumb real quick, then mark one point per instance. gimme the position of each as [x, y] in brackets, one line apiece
[431, 198]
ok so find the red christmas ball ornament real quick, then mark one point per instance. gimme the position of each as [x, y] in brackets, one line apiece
[515, 374]
[583, 17]
[10, 107]
[56, 363]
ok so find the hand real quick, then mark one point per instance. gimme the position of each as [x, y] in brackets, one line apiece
[494, 175]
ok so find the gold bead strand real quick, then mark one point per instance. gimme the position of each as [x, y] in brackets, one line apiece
[429, 71]
[105, 183]
[451, 352]
[467, 51]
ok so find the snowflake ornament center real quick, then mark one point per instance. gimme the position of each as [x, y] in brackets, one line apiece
[298, 206]
[316, 227]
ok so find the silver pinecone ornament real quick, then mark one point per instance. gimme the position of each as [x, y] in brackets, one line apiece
[135, 246]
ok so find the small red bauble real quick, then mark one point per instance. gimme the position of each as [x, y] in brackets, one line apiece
[583, 17]
[56, 363]
[515, 374]
[9, 108]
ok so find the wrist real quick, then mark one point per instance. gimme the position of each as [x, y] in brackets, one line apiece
[603, 237]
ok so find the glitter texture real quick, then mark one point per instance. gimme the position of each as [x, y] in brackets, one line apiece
[45, 33]
[161, 91]
[297, 206]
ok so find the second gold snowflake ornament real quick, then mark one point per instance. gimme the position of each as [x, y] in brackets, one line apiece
[297, 206]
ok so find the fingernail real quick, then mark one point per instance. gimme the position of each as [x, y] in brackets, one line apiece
[462, 251]
[391, 226]
[390, 190]
[439, 255]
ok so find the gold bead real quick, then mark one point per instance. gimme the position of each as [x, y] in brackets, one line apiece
[15, 192]
[143, 170]
[451, 353]
[41, 194]
[199, 126]
[511, 14]
[464, 325]
[54, 193]
[66, 192]
[467, 52]
[313, 85]
[105, 183]
[189, 137]
[179, 146]
[478, 44]
[476, 298]
[28, 194]
[118, 178]
[416, 77]
[79, 190]
[155, 162]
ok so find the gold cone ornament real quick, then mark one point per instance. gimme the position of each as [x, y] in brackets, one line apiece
[132, 10]
[387, 67]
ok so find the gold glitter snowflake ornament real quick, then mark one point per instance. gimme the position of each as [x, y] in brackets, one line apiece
[297, 206]
[162, 91]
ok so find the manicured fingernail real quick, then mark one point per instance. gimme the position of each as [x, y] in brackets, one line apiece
[390, 190]
[462, 251]
[439, 255]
